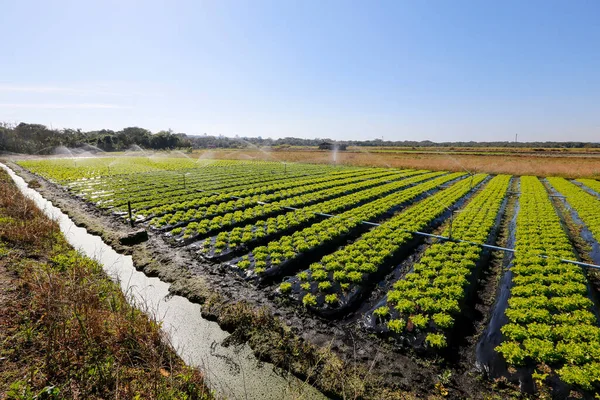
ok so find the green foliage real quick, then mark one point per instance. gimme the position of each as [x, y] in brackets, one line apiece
[443, 320]
[512, 352]
[71, 331]
[285, 287]
[436, 340]
[382, 311]
[583, 376]
[309, 300]
[331, 299]
[586, 204]
[419, 321]
[396, 325]
[433, 289]
[549, 312]
[352, 265]
[302, 276]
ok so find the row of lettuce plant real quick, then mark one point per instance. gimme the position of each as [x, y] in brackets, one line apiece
[430, 296]
[203, 228]
[550, 315]
[586, 205]
[156, 185]
[232, 200]
[71, 169]
[136, 185]
[339, 279]
[590, 183]
[236, 240]
[72, 172]
[149, 180]
[209, 188]
[200, 182]
[270, 191]
[180, 189]
[273, 258]
[161, 193]
[229, 205]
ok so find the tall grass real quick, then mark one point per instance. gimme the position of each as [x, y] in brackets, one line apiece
[514, 164]
[67, 330]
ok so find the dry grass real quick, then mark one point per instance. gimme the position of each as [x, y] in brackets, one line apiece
[22, 224]
[66, 330]
[517, 164]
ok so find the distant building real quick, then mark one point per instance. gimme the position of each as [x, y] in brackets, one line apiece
[332, 146]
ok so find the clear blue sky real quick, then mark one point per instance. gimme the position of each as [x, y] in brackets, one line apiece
[415, 70]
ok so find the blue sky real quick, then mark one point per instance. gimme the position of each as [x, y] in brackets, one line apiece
[402, 70]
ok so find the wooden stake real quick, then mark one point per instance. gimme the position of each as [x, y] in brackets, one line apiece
[129, 208]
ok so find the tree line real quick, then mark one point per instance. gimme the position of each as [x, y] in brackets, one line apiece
[39, 139]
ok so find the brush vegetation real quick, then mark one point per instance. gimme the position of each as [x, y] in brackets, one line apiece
[66, 329]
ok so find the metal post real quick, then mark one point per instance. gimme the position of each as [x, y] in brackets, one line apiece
[184, 184]
[130, 216]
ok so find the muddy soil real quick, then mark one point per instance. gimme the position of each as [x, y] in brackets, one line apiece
[454, 377]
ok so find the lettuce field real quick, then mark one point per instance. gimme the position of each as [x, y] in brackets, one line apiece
[398, 252]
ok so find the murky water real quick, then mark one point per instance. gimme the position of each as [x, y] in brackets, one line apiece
[232, 372]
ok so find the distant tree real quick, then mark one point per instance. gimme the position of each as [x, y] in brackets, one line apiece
[134, 135]
[37, 138]
[106, 143]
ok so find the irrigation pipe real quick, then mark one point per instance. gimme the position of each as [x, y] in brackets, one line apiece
[449, 239]
[488, 246]
[446, 238]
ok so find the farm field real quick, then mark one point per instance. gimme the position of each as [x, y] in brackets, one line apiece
[570, 163]
[431, 265]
